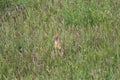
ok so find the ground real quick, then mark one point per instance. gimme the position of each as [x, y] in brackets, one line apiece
[89, 33]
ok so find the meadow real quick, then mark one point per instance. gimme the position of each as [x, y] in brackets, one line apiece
[89, 32]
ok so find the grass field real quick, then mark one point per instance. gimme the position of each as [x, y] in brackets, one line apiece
[89, 32]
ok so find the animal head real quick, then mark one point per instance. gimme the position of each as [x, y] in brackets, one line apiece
[56, 37]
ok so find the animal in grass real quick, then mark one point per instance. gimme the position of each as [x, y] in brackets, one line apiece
[57, 45]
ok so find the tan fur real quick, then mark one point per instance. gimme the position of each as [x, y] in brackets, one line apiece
[57, 45]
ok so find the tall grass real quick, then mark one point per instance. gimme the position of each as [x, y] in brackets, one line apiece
[89, 32]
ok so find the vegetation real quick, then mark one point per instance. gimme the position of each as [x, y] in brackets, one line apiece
[89, 31]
